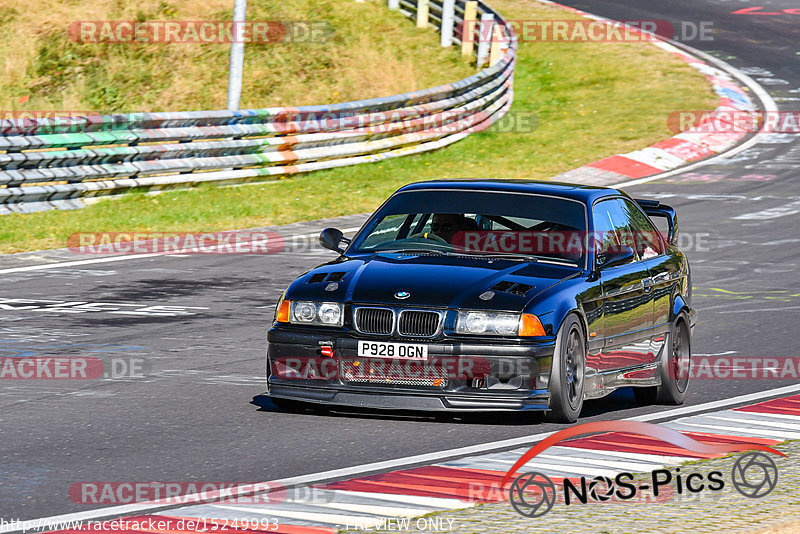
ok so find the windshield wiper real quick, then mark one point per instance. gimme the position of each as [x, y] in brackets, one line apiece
[414, 251]
[505, 255]
[523, 257]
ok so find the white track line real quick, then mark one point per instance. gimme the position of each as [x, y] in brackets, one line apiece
[561, 468]
[792, 208]
[437, 502]
[741, 399]
[728, 416]
[766, 100]
[428, 458]
[734, 430]
[126, 257]
[385, 510]
[613, 464]
[778, 417]
[574, 457]
[656, 459]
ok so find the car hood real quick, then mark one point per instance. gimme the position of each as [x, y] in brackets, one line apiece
[431, 281]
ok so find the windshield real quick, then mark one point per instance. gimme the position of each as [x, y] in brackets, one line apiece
[514, 225]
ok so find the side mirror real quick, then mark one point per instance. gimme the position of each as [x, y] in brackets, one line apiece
[624, 255]
[330, 239]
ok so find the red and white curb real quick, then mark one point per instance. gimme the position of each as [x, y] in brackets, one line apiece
[370, 501]
[690, 146]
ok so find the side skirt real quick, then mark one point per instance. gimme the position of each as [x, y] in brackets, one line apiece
[601, 384]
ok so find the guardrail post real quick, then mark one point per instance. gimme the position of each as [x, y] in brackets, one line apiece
[485, 37]
[394, 4]
[422, 13]
[468, 31]
[237, 55]
[498, 37]
[448, 14]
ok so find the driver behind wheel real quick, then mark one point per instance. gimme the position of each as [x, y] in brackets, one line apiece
[446, 225]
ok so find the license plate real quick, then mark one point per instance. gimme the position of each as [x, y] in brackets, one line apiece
[385, 349]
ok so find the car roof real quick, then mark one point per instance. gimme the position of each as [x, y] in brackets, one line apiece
[584, 193]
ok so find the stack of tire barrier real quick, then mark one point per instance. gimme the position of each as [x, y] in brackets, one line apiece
[51, 163]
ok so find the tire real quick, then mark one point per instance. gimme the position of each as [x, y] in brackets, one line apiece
[568, 372]
[673, 369]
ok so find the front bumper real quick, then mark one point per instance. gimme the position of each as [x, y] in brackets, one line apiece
[459, 375]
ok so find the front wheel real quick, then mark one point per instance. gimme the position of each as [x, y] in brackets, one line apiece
[567, 373]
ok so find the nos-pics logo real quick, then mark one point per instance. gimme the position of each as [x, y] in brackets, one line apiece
[533, 494]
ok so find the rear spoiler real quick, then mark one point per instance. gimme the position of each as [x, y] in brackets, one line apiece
[654, 208]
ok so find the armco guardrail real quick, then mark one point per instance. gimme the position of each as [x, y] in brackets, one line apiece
[55, 163]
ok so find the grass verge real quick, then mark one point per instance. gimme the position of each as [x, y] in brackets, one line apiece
[592, 100]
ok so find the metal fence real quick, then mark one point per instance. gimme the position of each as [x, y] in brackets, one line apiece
[54, 163]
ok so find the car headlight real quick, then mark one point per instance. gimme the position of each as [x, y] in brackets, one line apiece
[498, 324]
[491, 323]
[316, 313]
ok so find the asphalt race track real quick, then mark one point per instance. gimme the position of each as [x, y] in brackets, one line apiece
[196, 324]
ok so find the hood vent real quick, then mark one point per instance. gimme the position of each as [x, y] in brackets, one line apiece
[520, 289]
[512, 287]
[503, 286]
[326, 277]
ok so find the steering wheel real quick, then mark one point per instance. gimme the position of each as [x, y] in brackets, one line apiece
[432, 237]
[545, 226]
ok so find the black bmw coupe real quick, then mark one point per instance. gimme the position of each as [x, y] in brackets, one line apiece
[490, 295]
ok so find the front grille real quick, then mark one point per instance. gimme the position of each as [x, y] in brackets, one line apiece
[409, 373]
[375, 320]
[418, 323]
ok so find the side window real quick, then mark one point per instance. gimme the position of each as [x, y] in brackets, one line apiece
[606, 233]
[645, 235]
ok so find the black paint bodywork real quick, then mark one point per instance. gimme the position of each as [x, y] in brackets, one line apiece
[625, 311]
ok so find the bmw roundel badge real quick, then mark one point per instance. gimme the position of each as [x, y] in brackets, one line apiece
[402, 295]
